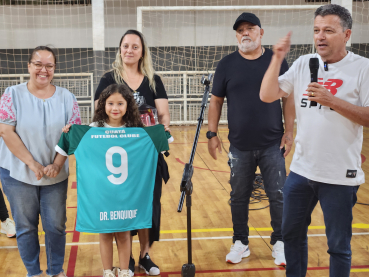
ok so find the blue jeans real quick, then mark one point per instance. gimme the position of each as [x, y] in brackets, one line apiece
[27, 202]
[243, 166]
[300, 197]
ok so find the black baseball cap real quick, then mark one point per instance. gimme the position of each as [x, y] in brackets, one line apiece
[247, 17]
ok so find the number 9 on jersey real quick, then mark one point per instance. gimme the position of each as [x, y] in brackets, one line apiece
[122, 169]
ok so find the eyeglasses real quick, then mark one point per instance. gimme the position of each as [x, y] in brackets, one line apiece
[48, 67]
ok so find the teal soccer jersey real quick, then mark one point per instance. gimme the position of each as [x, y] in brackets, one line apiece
[116, 170]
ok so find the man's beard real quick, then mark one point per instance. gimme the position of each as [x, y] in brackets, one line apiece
[247, 45]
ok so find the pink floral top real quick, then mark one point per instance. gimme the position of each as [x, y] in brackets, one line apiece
[38, 122]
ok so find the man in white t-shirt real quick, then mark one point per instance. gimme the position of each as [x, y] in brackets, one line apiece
[326, 165]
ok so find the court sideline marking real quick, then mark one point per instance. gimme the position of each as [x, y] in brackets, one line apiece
[75, 241]
[355, 226]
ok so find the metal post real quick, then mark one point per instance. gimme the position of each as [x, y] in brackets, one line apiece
[188, 270]
[185, 97]
[98, 37]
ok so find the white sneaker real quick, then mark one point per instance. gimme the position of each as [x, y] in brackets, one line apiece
[8, 228]
[123, 273]
[108, 273]
[238, 251]
[278, 253]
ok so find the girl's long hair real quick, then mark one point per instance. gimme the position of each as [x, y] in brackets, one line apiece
[131, 118]
[144, 64]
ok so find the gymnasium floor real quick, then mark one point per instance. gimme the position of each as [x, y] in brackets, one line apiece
[211, 224]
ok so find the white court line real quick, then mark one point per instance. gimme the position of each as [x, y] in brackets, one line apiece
[185, 239]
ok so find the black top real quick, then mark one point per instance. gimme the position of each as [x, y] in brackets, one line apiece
[252, 123]
[143, 93]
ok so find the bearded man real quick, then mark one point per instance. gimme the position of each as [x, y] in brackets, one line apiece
[256, 133]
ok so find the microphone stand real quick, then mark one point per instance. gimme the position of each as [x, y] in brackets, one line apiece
[188, 270]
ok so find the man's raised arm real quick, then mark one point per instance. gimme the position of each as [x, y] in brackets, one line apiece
[269, 90]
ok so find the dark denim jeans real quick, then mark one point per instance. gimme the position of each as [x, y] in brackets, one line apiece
[243, 166]
[27, 202]
[300, 197]
[3, 210]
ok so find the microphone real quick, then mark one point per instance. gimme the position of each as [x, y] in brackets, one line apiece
[314, 67]
[325, 66]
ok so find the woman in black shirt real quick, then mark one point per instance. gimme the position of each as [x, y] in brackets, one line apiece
[133, 67]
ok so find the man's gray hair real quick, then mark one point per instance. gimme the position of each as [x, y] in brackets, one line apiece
[341, 12]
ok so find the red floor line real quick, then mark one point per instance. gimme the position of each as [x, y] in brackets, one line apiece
[178, 160]
[73, 253]
[74, 185]
[192, 142]
[360, 266]
[72, 261]
[241, 270]
[166, 274]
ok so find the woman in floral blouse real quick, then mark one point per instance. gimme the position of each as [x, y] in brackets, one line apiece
[32, 116]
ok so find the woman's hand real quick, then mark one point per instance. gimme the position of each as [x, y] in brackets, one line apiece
[38, 169]
[66, 128]
[52, 170]
[166, 128]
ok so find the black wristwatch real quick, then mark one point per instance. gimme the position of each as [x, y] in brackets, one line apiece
[210, 134]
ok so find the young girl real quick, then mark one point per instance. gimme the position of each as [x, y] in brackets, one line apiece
[116, 108]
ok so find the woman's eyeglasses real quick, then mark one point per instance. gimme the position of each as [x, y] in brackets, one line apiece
[48, 67]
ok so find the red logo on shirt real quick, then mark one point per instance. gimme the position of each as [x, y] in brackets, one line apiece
[331, 84]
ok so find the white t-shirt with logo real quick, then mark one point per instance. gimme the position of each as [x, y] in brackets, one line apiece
[328, 145]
